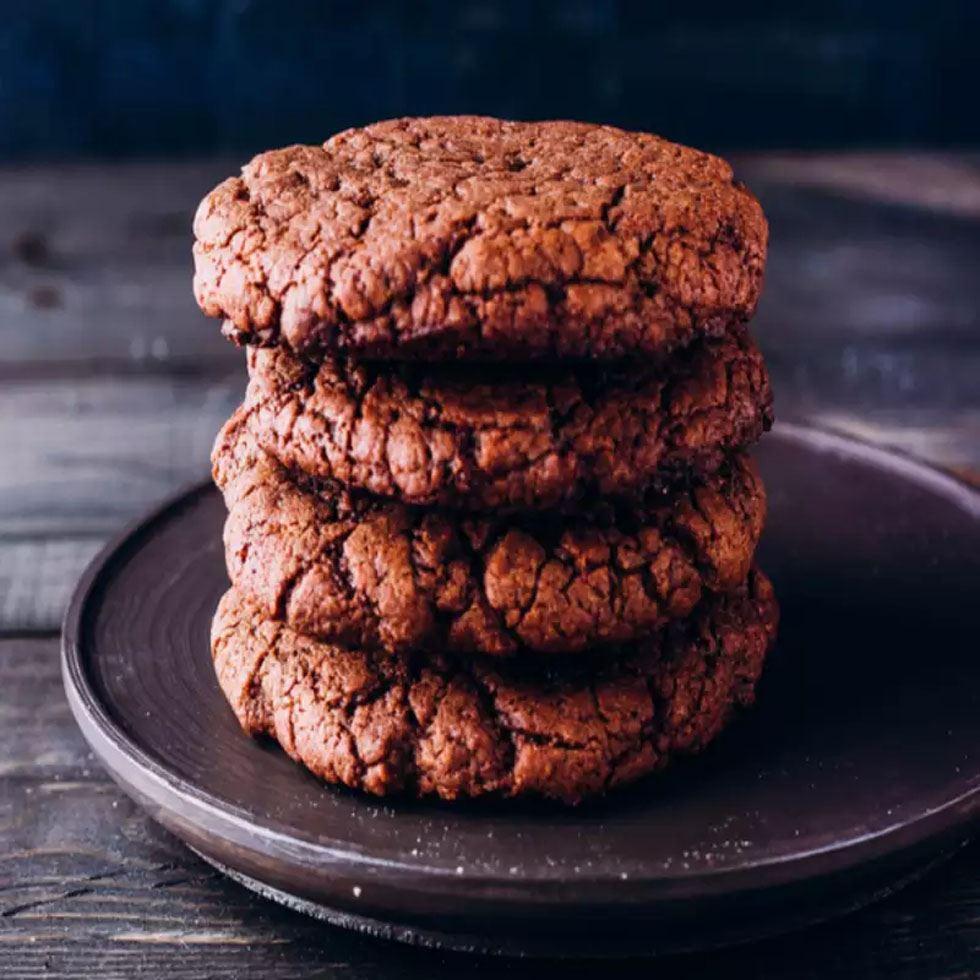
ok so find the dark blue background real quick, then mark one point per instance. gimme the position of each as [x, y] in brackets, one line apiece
[137, 77]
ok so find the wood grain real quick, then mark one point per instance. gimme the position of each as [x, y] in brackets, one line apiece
[111, 388]
[90, 886]
[102, 449]
[96, 261]
[869, 322]
[83, 457]
[97, 266]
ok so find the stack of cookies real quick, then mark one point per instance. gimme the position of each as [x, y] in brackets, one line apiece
[491, 524]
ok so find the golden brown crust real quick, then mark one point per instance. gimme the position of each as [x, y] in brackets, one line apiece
[379, 574]
[507, 439]
[434, 725]
[473, 237]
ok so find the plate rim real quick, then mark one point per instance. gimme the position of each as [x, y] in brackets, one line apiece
[161, 785]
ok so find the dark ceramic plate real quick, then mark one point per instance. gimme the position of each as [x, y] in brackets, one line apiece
[859, 767]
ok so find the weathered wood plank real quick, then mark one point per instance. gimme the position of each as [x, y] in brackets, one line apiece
[90, 886]
[96, 263]
[99, 451]
[112, 389]
[84, 456]
[947, 183]
[81, 458]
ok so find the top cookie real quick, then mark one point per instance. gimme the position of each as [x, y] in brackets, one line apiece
[470, 237]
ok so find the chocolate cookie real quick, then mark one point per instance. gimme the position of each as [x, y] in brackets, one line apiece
[435, 725]
[538, 438]
[472, 237]
[362, 571]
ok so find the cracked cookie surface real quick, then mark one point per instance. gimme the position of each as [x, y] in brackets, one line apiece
[366, 572]
[457, 237]
[434, 725]
[506, 439]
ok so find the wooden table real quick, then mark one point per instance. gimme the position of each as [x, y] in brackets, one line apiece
[112, 389]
